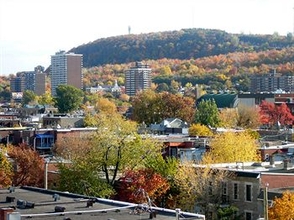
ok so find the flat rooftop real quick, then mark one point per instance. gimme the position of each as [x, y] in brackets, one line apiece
[40, 204]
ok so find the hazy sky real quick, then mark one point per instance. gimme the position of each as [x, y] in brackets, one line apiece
[33, 30]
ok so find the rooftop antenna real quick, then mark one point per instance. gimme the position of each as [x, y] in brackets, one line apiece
[293, 22]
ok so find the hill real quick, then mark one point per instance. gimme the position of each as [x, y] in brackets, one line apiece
[183, 44]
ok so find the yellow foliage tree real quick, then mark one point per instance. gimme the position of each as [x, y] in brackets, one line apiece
[232, 147]
[199, 130]
[283, 208]
[5, 169]
[105, 105]
[201, 186]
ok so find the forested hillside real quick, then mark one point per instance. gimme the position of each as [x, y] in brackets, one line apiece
[183, 44]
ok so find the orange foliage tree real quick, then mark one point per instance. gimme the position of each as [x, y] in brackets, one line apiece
[29, 166]
[135, 184]
[272, 114]
[283, 208]
[151, 107]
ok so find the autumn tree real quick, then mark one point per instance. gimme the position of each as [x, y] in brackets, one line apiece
[138, 186]
[150, 107]
[271, 114]
[167, 168]
[177, 106]
[228, 117]
[199, 130]
[146, 107]
[5, 169]
[283, 208]
[69, 147]
[114, 147]
[207, 113]
[68, 98]
[117, 146]
[30, 166]
[105, 105]
[201, 186]
[230, 147]
[248, 117]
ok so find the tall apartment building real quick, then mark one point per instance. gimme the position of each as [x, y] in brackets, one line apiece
[137, 78]
[271, 82]
[29, 80]
[66, 68]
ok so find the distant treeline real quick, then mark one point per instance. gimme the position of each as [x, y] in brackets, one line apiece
[183, 44]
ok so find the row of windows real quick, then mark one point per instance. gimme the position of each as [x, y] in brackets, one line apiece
[236, 195]
[236, 191]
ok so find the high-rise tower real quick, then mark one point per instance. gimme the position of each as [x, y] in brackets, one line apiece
[66, 68]
[137, 78]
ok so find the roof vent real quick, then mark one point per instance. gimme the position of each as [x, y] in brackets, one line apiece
[11, 189]
[90, 202]
[59, 209]
[56, 197]
[22, 204]
[10, 199]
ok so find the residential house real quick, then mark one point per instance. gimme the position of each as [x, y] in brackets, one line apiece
[170, 126]
[243, 188]
[63, 121]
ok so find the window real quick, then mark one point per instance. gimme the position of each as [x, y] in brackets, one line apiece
[210, 189]
[235, 191]
[248, 193]
[248, 215]
[225, 188]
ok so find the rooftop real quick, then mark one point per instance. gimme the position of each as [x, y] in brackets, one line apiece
[37, 203]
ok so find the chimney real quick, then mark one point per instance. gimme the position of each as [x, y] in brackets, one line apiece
[272, 161]
[287, 164]
[4, 213]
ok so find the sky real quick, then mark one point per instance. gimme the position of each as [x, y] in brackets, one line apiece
[33, 30]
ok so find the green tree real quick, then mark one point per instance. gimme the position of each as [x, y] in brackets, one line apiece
[207, 113]
[68, 98]
[28, 97]
[82, 178]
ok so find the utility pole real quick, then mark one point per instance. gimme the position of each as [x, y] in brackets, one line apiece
[265, 201]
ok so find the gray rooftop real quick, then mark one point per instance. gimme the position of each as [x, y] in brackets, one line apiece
[36, 203]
